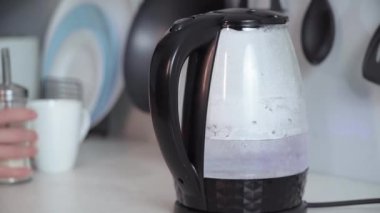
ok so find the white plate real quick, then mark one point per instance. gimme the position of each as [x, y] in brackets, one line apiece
[81, 52]
[117, 16]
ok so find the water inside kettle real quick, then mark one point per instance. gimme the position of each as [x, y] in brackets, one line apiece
[255, 159]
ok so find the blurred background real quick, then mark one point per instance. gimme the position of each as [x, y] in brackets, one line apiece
[108, 44]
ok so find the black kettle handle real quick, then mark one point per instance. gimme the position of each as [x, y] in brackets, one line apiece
[184, 37]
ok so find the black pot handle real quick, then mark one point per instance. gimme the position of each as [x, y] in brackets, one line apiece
[236, 3]
[371, 65]
[184, 37]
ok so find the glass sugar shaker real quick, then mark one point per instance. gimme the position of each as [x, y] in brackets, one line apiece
[12, 96]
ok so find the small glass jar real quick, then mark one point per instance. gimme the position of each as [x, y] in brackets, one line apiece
[14, 96]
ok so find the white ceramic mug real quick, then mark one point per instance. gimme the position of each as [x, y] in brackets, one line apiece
[61, 126]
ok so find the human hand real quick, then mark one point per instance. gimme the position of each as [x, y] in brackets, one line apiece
[12, 140]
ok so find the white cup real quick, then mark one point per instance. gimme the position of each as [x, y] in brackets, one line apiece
[61, 126]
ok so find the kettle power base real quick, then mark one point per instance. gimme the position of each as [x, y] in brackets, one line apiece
[179, 208]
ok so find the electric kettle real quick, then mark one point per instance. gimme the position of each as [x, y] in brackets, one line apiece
[239, 143]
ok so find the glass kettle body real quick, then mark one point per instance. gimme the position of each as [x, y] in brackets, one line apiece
[239, 143]
[255, 120]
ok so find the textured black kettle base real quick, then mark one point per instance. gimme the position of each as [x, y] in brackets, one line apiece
[182, 209]
[249, 196]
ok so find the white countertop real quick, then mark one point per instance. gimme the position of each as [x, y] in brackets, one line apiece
[119, 176]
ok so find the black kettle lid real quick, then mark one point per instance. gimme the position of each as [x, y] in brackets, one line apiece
[250, 18]
[236, 18]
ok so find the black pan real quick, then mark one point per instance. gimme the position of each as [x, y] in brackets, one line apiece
[151, 22]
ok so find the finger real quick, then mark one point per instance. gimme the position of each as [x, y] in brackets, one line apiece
[17, 135]
[6, 172]
[16, 152]
[16, 115]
